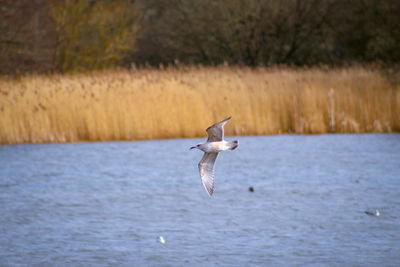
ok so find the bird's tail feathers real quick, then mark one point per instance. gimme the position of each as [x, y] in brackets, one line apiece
[233, 144]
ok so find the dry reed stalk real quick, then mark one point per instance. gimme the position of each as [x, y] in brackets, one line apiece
[169, 103]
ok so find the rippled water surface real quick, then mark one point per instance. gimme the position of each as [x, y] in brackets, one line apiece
[107, 204]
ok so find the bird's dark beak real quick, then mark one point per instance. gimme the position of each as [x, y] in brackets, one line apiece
[192, 147]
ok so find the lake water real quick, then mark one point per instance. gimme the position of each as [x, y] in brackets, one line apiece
[107, 204]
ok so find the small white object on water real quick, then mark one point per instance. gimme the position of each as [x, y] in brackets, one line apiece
[162, 240]
[376, 213]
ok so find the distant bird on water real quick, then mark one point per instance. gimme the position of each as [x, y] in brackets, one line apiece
[215, 144]
[376, 213]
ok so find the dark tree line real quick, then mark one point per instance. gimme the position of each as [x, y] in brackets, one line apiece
[64, 35]
[263, 32]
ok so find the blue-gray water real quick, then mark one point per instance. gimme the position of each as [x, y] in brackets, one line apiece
[107, 204]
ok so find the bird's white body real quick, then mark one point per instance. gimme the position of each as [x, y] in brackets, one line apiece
[215, 147]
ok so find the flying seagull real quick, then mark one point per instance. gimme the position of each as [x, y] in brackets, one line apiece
[215, 144]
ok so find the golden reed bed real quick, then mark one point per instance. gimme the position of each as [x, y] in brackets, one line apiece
[169, 103]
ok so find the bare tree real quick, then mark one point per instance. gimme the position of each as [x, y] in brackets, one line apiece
[93, 34]
[27, 37]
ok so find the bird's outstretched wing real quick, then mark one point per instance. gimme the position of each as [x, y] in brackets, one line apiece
[206, 168]
[216, 131]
